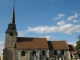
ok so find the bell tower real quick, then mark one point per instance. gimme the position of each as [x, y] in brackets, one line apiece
[11, 32]
[10, 38]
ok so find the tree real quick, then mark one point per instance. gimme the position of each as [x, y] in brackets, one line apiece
[78, 45]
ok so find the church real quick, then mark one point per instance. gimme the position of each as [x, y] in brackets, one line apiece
[28, 48]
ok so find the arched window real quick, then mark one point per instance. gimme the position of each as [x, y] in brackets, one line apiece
[23, 53]
[43, 53]
[33, 53]
[55, 52]
[62, 52]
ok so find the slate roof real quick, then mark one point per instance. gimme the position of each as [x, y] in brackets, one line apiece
[31, 43]
[58, 45]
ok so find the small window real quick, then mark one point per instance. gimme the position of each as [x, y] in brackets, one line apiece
[43, 53]
[11, 34]
[55, 52]
[62, 52]
[23, 53]
[33, 53]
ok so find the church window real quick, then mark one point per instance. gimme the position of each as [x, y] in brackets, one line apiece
[62, 52]
[23, 53]
[55, 52]
[43, 53]
[33, 53]
[11, 34]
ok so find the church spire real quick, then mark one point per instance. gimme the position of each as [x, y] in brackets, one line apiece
[12, 26]
[13, 17]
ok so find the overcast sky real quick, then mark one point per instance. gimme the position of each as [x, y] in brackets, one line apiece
[53, 19]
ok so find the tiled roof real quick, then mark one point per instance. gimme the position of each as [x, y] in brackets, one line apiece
[0, 57]
[58, 45]
[31, 43]
[71, 47]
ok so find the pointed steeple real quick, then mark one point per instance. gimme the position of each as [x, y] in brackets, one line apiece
[12, 26]
[13, 17]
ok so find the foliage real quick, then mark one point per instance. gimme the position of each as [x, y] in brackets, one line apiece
[78, 45]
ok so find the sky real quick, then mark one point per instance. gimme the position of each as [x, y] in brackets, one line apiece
[52, 19]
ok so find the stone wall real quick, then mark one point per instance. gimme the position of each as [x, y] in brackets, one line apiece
[38, 56]
[59, 55]
[8, 54]
[29, 56]
[10, 40]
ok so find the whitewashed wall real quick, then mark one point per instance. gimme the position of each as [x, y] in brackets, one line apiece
[67, 54]
[2, 55]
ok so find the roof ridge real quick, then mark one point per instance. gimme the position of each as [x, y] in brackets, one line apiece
[29, 37]
[58, 40]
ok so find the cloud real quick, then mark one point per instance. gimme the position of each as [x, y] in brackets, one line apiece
[66, 28]
[42, 29]
[21, 33]
[1, 47]
[75, 21]
[61, 23]
[59, 16]
[72, 17]
[48, 37]
[73, 43]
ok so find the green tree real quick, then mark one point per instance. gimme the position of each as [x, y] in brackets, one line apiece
[78, 44]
